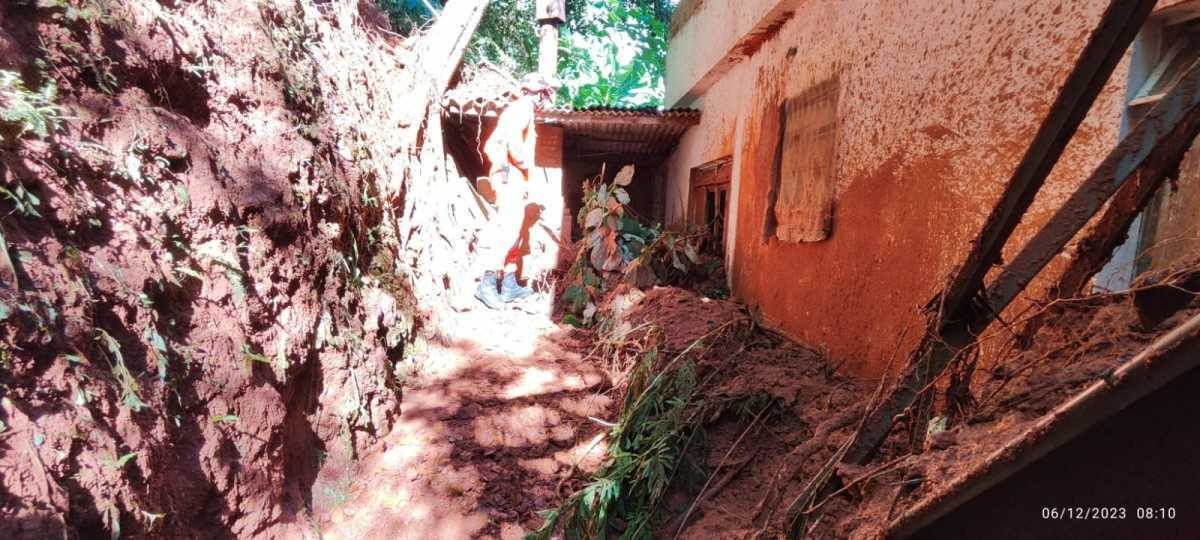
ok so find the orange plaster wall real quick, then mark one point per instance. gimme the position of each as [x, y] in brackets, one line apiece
[938, 102]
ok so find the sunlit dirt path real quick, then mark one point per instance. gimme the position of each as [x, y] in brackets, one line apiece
[496, 422]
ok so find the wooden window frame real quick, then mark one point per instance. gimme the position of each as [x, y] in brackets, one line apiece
[712, 179]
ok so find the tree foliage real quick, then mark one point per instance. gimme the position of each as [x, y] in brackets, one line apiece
[614, 54]
[611, 52]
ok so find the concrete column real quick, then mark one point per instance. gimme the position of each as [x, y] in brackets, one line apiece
[548, 49]
[550, 14]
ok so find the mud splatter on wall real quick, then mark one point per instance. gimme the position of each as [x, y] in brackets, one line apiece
[938, 102]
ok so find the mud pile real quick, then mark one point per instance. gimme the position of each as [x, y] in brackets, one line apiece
[1079, 342]
[202, 316]
[758, 467]
[752, 456]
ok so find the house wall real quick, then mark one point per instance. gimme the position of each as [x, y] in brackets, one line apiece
[710, 38]
[938, 102]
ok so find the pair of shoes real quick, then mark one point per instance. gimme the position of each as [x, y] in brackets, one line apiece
[510, 291]
[487, 291]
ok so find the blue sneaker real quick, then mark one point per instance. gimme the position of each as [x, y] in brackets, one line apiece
[510, 291]
[487, 292]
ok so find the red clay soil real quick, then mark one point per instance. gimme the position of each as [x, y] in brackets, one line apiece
[741, 360]
[185, 256]
[683, 316]
[1078, 342]
[496, 429]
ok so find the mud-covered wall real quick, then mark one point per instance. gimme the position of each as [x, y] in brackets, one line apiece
[709, 30]
[937, 104]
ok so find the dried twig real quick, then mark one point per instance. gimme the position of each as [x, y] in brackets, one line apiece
[703, 495]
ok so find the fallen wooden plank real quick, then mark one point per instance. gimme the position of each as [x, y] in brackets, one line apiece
[1094, 250]
[1168, 357]
[1147, 100]
[956, 308]
[1151, 149]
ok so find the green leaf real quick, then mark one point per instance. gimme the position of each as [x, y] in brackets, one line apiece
[110, 343]
[692, 253]
[225, 419]
[123, 460]
[189, 272]
[155, 339]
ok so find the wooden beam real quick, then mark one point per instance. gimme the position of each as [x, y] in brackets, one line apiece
[443, 46]
[1152, 148]
[1179, 13]
[1167, 358]
[1117, 28]
[956, 311]
[1146, 100]
[1176, 119]
[1160, 68]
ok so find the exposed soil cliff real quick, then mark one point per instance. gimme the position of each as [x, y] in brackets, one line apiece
[202, 318]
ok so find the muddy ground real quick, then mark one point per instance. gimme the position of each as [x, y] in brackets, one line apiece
[1077, 342]
[496, 427]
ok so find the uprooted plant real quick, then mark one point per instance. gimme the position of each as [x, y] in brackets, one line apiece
[617, 246]
[654, 446]
[24, 111]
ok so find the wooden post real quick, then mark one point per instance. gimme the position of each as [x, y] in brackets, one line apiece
[1148, 153]
[443, 46]
[550, 14]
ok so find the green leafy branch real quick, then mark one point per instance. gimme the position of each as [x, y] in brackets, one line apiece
[24, 112]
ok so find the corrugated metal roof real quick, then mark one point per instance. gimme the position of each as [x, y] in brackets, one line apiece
[593, 130]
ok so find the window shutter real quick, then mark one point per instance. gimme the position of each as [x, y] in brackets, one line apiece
[807, 166]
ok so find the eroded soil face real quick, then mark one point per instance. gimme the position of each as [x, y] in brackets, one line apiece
[188, 334]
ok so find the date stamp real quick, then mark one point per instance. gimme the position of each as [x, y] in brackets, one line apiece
[1099, 513]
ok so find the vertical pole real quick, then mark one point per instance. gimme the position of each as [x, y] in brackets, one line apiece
[549, 14]
[548, 48]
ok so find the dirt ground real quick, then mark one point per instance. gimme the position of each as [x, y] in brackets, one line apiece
[503, 424]
[495, 428]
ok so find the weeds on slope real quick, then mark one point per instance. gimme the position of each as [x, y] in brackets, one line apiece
[648, 447]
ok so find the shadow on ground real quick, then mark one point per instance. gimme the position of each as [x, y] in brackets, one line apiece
[497, 429]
